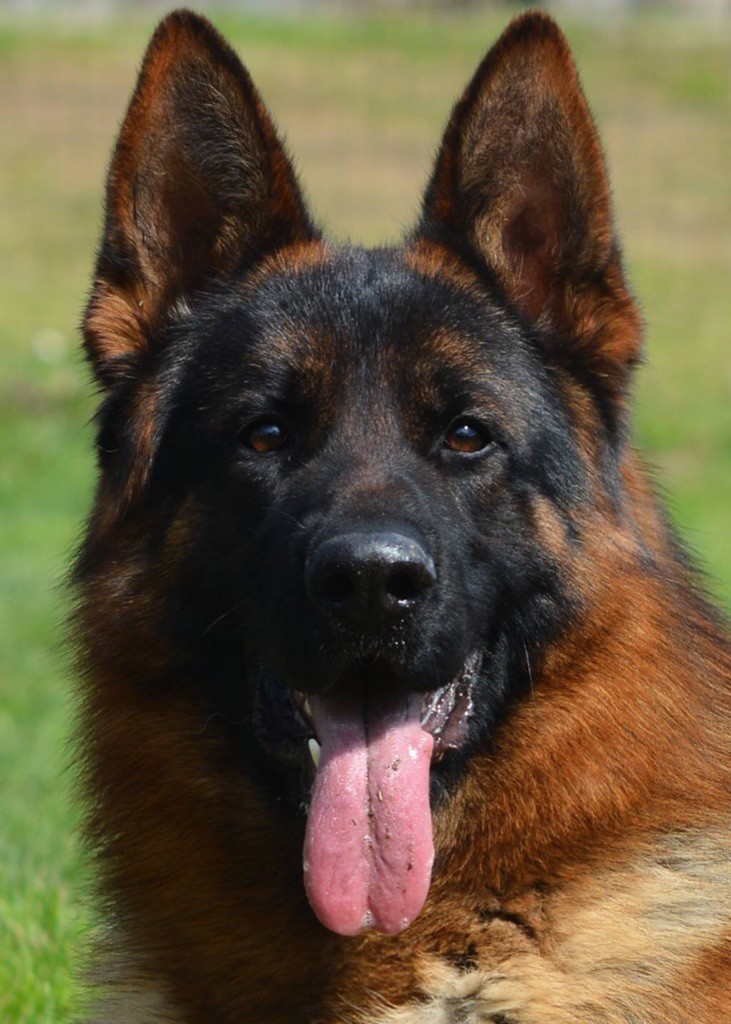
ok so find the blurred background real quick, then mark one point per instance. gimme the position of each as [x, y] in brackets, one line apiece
[361, 91]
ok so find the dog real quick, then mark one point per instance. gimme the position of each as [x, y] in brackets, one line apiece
[402, 702]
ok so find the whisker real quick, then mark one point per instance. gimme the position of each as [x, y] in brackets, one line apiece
[527, 665]
[220, 618]
[217, 714]
[281, 512]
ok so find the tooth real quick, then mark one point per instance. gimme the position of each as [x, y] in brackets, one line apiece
[315, 751]
[306, 707]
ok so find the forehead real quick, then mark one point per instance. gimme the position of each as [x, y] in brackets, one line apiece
[354, 315]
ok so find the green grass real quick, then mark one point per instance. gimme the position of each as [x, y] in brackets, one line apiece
[362, 102]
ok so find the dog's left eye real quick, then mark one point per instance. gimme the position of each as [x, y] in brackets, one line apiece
[467, 437]
[266, 436]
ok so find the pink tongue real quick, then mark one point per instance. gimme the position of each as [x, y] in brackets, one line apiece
[368, 850]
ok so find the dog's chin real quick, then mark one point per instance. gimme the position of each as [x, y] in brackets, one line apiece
[286, 728]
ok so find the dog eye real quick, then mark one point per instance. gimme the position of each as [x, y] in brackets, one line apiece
[466, 437]
[265, 436]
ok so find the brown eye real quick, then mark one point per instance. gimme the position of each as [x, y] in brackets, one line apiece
[265, 437]
[466, 437]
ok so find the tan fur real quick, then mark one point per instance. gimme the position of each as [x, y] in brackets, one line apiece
[614, 949]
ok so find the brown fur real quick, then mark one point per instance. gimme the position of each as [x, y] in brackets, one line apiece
[583, 870]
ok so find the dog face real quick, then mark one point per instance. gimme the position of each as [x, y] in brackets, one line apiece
[366, 446]
[364, 477]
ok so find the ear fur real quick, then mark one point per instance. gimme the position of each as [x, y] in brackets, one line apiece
[520, 186]
[199, 186]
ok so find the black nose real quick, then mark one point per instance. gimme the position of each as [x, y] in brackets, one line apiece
[368, 577]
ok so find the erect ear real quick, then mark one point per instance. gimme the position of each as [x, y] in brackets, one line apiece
[520, 185]
[199, 187]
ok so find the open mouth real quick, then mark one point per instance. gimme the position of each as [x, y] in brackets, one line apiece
[365, 755]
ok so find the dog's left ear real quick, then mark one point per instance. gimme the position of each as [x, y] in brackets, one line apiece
[521, 188]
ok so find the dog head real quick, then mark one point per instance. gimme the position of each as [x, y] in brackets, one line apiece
[357, 482]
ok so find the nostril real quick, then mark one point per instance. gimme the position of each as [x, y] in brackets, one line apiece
[337, 588]
[402, 586]
[367, 577]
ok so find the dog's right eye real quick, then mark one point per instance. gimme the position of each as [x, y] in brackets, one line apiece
[467, 437]
[265, 436]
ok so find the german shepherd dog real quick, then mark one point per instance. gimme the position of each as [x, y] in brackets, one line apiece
[402, 702]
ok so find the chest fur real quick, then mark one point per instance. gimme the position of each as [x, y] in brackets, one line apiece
[633, 943]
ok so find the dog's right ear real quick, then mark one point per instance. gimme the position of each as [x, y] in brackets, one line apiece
[199, 187]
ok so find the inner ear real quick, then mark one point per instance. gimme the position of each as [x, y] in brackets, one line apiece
[534, 224]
